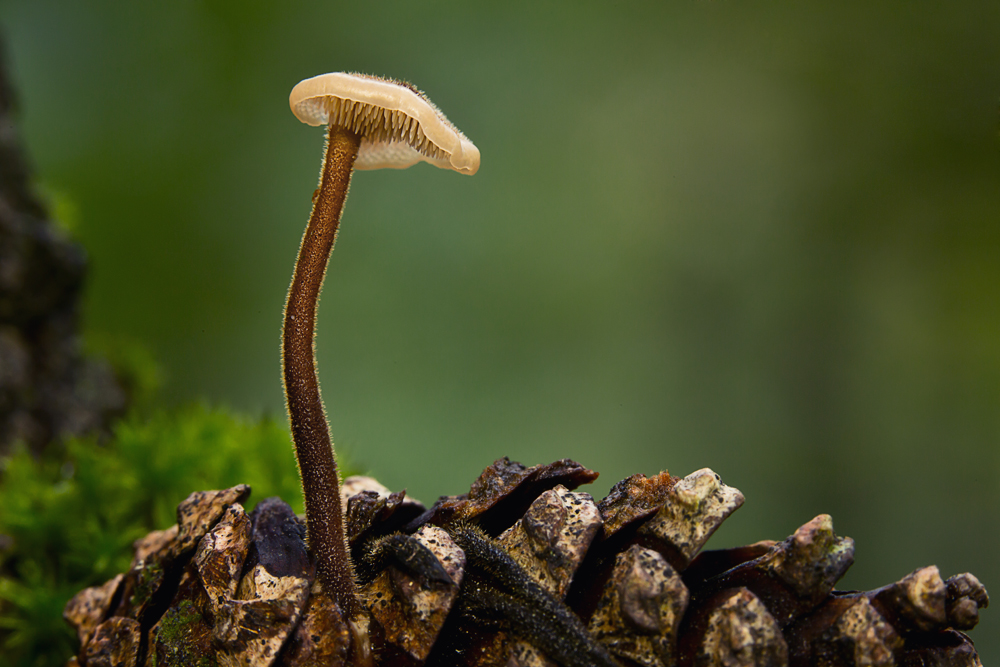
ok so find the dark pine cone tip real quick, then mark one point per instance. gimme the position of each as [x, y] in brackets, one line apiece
[521, 571]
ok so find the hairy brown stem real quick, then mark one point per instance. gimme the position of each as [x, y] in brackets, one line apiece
[310, 431]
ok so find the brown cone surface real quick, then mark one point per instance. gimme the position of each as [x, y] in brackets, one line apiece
[521, 571]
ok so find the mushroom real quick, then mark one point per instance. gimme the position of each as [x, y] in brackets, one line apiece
[372, 123]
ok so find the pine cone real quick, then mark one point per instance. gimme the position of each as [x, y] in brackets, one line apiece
[521, 571]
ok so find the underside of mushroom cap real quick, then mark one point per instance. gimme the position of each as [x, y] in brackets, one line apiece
[398, 125]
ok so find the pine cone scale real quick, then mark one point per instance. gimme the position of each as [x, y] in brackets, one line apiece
[520, 572]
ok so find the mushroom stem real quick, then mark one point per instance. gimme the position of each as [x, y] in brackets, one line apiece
[310, 431]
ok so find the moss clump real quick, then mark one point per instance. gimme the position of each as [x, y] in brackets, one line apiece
[69, 517]
[176, 625]
[150, 576]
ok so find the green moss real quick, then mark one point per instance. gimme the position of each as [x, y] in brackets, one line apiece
[173, 625]
[149, 579]
[174, 633]
[69, 518]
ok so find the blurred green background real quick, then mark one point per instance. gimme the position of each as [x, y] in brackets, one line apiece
[758, 237]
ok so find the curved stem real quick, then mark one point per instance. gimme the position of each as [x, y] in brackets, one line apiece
[310, 431]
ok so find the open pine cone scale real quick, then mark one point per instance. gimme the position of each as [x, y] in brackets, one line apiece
[521, 571]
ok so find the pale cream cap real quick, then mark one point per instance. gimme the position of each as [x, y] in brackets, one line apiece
[398, 125]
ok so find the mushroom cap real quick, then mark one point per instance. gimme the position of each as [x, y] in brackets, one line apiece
[398, 125]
